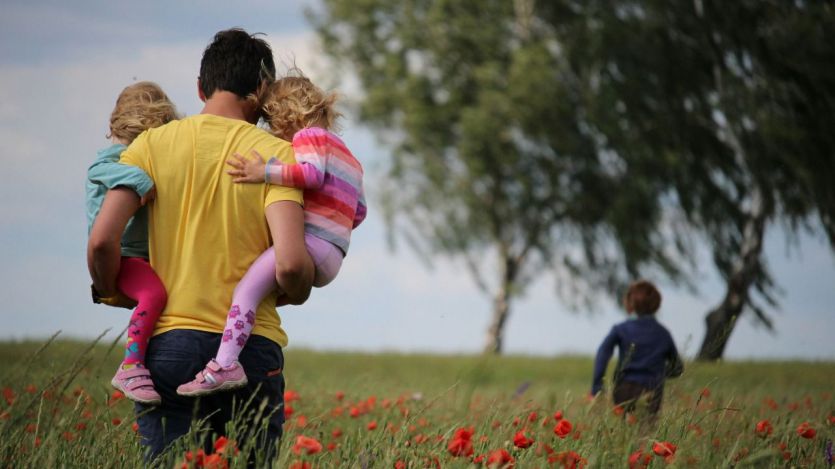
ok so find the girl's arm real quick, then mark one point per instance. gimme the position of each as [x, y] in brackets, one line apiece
[362, 209]
[112, 174]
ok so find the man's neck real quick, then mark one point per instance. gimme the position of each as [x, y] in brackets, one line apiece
[226, 104]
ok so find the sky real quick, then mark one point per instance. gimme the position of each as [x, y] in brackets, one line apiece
[62, 64]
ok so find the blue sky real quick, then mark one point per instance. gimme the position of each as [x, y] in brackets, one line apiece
[62, 65]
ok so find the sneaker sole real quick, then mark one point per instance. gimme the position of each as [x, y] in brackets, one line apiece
[128, 395]
[226, 386]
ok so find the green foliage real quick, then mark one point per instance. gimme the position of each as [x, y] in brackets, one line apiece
[51, 418]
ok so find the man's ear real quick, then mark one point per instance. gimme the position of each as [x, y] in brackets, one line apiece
[200, 91]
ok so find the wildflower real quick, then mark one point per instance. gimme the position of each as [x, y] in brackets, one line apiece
[500, 458]
[222, 444]
[116, 421]
[31, 389]
[705, 392]
[399, 464]
[558, 415]
[763, 428]
[288, 411]
[664, 449]
[301, 421]
[307, 445]
[639, 460]
[806, 431]
[300, 465]
[331, 446]
[532, 417]
[522, 441]
[569, 460]
[355, 412]
[461, 443]
[339, 395]
[618, 410]
[290, 396]
[69, 436]
[337, 432]
[215, 461]
[135, 427]
[81, 426]
[9, 395]
[563, 428]
[372, 425]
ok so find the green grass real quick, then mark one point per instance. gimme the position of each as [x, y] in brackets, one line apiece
[57, 411]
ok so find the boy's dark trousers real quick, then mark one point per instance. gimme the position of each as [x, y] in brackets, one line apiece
[627, 393]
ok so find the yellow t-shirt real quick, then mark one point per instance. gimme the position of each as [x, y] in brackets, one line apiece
[204, 230]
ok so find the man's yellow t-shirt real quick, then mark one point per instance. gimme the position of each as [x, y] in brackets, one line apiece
[204, 230]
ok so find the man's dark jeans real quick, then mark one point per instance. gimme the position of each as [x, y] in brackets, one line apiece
[174, 357]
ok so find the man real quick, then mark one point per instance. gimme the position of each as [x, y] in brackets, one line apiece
[204, 233]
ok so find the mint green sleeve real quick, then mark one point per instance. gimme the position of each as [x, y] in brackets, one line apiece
[113, 174]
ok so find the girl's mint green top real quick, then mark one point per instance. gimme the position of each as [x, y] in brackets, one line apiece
[106, 173]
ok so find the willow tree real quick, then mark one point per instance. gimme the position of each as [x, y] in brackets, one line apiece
[494, 162]
[736, 100]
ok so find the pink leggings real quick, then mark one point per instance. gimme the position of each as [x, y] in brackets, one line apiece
[138, 281]
[259, 281]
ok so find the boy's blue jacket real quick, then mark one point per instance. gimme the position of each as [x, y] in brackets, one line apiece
[647, 354]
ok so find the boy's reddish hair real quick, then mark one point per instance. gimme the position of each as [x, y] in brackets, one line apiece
[642, 298]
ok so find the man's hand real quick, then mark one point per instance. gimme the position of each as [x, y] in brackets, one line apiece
[247, 170]
[149, 196]
[118, 301]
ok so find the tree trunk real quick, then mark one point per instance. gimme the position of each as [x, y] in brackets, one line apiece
[501, 309]
[721, 320]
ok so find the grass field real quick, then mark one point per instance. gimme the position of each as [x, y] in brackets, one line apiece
[397, 411]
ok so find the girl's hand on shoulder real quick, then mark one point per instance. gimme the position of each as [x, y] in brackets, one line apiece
[246, 169]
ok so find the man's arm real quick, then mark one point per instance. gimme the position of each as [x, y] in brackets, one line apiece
[293, 266]
[104, 250]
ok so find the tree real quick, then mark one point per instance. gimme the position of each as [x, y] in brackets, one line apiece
[495, 162]
[741, 95]
[576, 136]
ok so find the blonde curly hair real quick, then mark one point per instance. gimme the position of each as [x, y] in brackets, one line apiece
[292, 103]
[140, 107]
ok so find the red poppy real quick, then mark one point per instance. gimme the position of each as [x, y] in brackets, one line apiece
[288, 411]
[558, 415]
[307, 445]
[372, 425]
[806, 431]
[116, 421]
[336, 433]
[290, 396]
[664, 448]
[522, 441]
[763, 428]
[461, 442]
[31, 389]
[618, 410]
[215, 461]
[500, 458]
[399, 464]
[354, 412]
[639, 460]
[563, 428]
[339, 395]
[568, 459]
[300, 465]
[331, 446]
[222, 444]
[532, 417]
[135, 426]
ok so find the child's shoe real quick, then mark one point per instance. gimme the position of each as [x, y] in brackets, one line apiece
[214, 378]
[135, 383]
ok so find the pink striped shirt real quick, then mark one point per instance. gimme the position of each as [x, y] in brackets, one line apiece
[334, 202]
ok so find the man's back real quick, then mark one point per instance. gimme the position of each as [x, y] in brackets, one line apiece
[205, 231]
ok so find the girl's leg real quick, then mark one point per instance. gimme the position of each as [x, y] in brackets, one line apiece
[327, 258]
[257, 283]
[137, 280]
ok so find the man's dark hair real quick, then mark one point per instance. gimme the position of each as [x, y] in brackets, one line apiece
[235, 61]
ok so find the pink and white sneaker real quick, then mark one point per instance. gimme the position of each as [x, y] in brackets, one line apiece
[136, 385]
[214, 378]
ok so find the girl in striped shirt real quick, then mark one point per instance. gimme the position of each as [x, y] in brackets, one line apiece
[334, 205]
